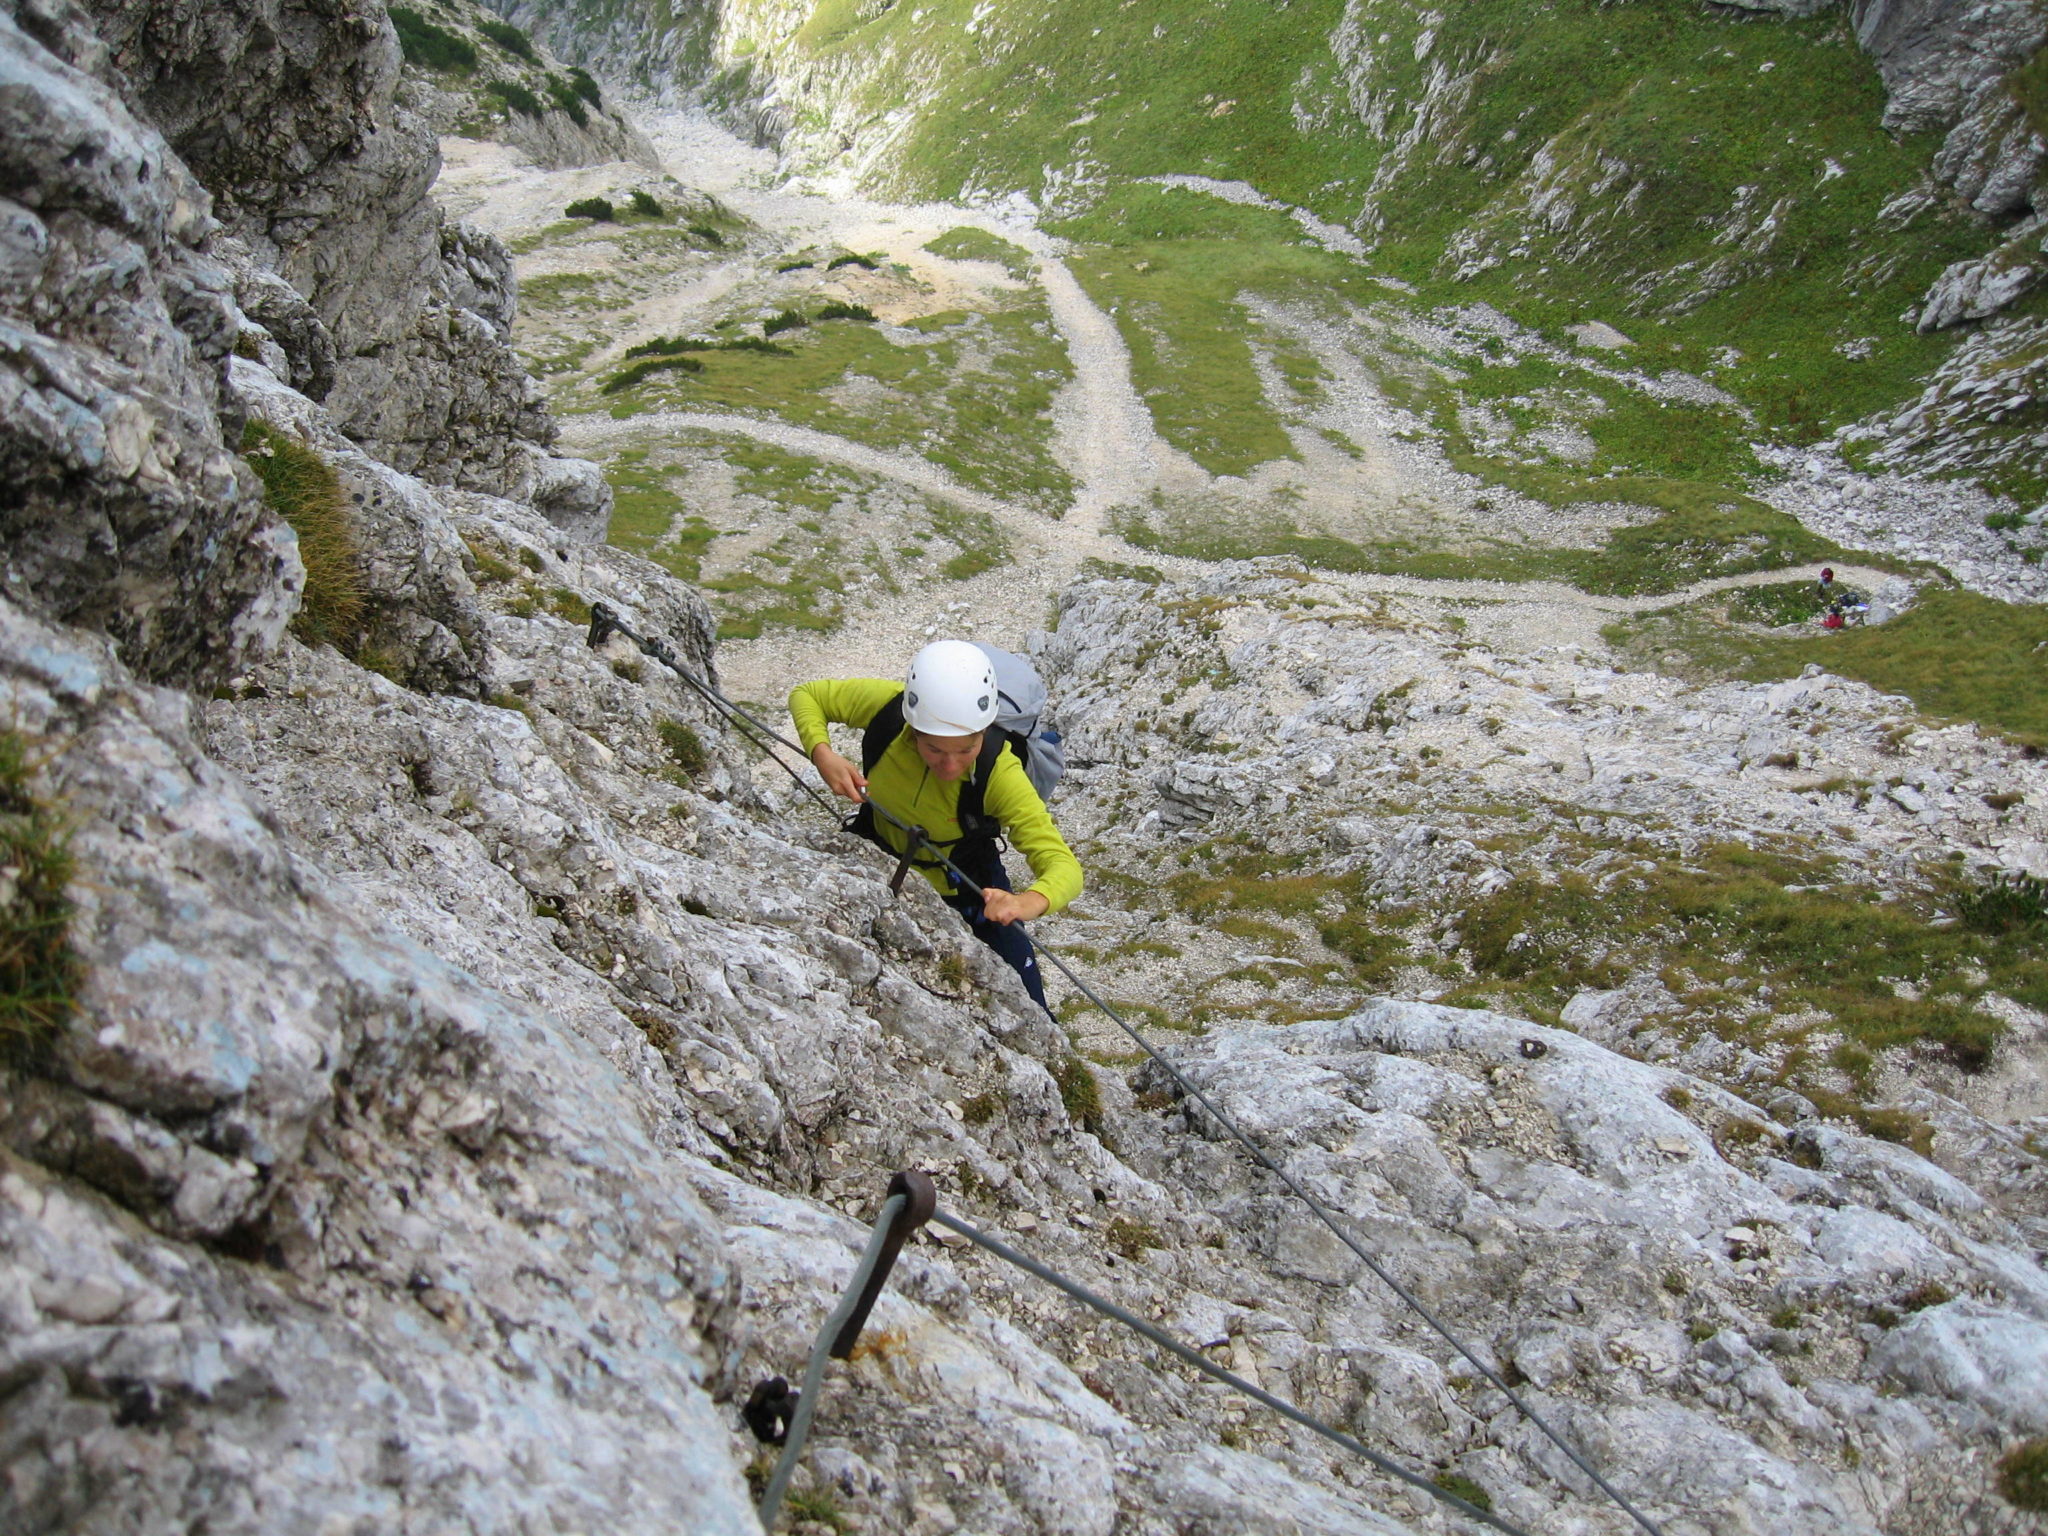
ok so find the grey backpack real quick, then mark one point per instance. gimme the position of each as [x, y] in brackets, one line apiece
[1020, 700]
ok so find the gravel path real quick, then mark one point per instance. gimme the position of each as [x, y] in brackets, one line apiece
[1104, 435]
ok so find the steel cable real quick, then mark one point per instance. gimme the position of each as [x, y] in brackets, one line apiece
[814, 1372]
[1208, 1367]
[732, 711]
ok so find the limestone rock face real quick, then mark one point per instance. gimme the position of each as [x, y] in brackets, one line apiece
[124, 510]
[321, 168]
[1938, 56]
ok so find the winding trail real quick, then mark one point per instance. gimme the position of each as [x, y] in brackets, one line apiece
[1104, 434]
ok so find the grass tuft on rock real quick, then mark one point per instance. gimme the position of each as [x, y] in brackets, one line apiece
[685, 748]
[1461, 1486]
[303, 489]
[1079, 1092]
[2023, 1475]
[39, 970]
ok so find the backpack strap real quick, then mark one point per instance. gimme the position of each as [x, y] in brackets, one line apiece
[976, 825]
[975, 822]
[881, 732]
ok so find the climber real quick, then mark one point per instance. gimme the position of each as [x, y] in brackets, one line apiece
[946, 769]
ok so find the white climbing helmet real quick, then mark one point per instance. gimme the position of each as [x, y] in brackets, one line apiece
[950, 690]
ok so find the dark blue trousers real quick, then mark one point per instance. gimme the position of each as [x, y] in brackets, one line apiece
[986, 869]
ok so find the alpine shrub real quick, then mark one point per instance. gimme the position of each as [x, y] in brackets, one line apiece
[707, 234]
[788, 320]
[2007, 903]
[592, 208]
[584, 86]
[517, 97]
[846, 312]
[644, 202]
[865, 263]
[509, 38]
[626, 378]
[429, 46]
[563, 94]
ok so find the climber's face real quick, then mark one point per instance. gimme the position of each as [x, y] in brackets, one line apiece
[948, 757]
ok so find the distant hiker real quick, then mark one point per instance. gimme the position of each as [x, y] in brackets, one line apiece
[1824, 589]
[934, 755]
[1833, 620]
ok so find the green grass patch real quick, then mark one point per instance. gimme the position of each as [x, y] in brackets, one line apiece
[1078, 1091]
[651, 520]
[1955, 654]
[1779, 604]
[973, 396]
[2023, 1470]
[599, 209]
[965, 243]
[1739, 948]
[304, 490]
[1173, 266]
[685, 748]
[39, 970]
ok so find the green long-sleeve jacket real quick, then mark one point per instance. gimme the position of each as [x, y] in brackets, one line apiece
[902, 785]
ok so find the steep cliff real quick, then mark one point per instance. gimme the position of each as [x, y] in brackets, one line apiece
[463, 1080]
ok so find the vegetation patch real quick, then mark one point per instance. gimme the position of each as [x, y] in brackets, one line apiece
[39, 970]
[516, 97]
[428, 46]
[1684, 142]
[2023, 1470]
[1461, 1486]
[1079, 1092]
[599, 209]
[965, 243]
[303, 489]
[685, 748]
[626, 378]
[1955, 654]
[650, 519]
[971, 394]
[509, 38]
[1745, 954]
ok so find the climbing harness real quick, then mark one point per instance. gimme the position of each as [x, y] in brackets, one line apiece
[604, 622]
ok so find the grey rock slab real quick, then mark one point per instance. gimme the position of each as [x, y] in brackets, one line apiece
[1994, 1360]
